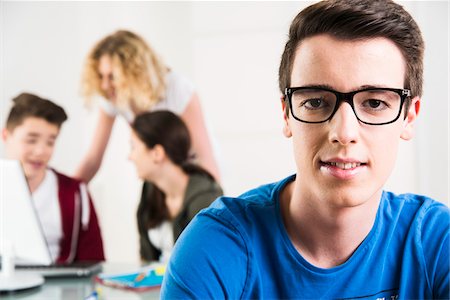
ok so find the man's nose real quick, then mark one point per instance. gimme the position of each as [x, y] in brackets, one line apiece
[344, 126]
[40, 149]
[105, 83]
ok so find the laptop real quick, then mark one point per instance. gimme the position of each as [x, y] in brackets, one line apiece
[20, 226]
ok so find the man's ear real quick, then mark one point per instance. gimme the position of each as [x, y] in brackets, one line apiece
[286, 129]
[408, 125]
[5, 133]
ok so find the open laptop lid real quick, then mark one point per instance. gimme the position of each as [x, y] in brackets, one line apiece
[19, 222]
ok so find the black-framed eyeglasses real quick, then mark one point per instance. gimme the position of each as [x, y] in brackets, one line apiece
[373, 106]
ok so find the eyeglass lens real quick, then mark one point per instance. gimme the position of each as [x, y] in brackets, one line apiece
[372, 106]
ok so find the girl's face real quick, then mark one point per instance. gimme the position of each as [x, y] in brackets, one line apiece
[105, 72]
[143, 158]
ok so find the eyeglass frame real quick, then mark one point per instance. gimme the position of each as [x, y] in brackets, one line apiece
[347, 97]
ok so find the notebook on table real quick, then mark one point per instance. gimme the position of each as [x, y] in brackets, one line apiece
[20, 225]
[141, 280]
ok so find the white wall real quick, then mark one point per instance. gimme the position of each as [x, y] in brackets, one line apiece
[231, 51]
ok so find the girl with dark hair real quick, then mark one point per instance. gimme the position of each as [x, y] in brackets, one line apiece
[175, 189]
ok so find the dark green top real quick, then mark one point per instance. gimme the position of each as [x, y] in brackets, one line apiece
[201, 191]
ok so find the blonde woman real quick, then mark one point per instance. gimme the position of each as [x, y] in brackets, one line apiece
[132, 79]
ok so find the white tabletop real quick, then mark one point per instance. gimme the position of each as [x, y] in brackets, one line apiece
[80, 288]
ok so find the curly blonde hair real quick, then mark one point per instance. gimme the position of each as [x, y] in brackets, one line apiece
[139, 74]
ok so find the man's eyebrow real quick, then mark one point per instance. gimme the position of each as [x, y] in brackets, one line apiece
[35, 134]
[317, 86]
[329, 87]
[373, 86]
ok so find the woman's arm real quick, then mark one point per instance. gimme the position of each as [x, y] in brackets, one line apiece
[93, 159]
[201, 143]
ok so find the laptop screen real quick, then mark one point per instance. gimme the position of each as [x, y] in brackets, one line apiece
[19, 223]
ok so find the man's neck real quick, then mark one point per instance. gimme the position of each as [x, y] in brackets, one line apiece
[35, 182]
[326, 237]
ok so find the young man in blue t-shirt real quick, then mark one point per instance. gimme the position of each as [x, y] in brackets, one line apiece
[351, 78]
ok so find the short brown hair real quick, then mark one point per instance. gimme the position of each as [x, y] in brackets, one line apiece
[355, 20]
[28, 105]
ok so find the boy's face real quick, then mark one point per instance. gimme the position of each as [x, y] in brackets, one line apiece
[32, 143]
[365, 154]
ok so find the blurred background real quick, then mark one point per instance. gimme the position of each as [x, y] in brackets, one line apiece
[231, 51]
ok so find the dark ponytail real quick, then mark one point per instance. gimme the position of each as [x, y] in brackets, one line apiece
[168, 130]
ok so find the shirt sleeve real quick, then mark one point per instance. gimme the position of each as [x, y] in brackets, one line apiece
[109, 108]
[210, 261]
[435, 238]
[179, 92]
[442, 285]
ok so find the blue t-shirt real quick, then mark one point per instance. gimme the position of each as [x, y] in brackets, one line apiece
[239, 248]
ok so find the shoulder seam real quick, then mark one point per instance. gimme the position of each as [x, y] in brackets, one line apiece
[215, 213]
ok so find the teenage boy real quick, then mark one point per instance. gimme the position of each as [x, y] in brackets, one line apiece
[351, 78]
[63, 204]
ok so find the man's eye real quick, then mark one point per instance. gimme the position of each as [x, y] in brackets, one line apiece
[30, 141]
[313, 103]
[375, 104]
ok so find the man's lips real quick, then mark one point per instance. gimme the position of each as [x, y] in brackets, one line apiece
[343, 169]
[35, 164]
[343, 165]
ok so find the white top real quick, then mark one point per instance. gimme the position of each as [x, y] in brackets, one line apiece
[178, 93]
[162, 238]
[46, 202]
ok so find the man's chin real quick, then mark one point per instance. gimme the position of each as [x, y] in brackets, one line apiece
[35, 172]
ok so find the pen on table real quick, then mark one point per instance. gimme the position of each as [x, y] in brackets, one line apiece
[93, 295]
[159, 271]
[140, 276]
